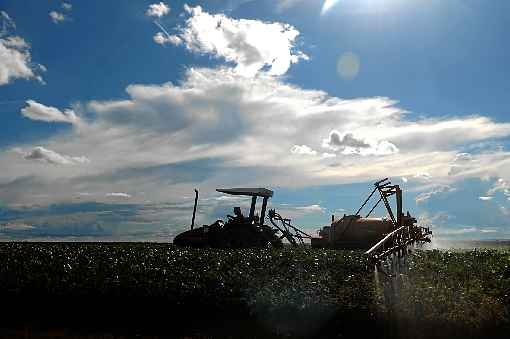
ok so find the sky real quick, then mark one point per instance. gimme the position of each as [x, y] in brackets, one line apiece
[113, 112]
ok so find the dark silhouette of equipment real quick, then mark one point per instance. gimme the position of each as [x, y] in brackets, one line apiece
[381, 236]
[241, 231]
[194, 209]
[355, 231]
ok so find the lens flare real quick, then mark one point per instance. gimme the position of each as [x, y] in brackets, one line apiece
[348, 66]
[328, 4]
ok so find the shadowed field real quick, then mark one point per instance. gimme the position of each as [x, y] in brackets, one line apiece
[157, 290]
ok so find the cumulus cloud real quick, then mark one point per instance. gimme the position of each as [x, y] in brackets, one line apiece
[15, 58]
[235, 130]
[42, 154]
[485, 198]
[303, 150]
[251, 45]
[57, 17]
[157, 10]
[347, 143]
[37, 111]
[162, 39]
[223, 114]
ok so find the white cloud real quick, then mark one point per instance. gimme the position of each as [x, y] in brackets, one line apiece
[490, 230]
[118, 195]
[311, 208]
[42, 154]
[462, 161]
[296, 212]
[485, 198]
[157, 10]
[16, 42]
[423, 197]
[57, 17]
[162, 39]
[501, 185]
[15, 58]
[37, 111]
[423, 176]
[252, 45]
[439, 134]
[16, 226]
[15, 61]
[246, 127]
[302, 150]
[347, 143]
[67, 6]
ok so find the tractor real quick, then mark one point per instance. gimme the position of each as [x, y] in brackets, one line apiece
[240, 231]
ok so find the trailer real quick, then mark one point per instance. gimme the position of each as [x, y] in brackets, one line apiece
[380, 237]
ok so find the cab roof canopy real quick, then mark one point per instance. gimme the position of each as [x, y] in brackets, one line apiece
[253, 192]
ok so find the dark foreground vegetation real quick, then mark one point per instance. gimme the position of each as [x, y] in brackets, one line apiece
[101, 290]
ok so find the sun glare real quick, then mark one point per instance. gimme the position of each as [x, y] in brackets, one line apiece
[328, 4]
[360, 6]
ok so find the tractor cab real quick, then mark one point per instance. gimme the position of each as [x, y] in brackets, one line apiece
[254, 193]
[238, 231]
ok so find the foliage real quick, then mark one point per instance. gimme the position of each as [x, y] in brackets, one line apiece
[275, 277]
[283, 289]
[439, 291]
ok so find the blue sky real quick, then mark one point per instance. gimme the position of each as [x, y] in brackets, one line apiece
[113, 112]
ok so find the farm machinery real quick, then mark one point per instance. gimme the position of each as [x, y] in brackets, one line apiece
[241, 231]
[378, 236]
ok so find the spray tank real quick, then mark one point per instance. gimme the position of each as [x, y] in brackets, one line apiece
[358, 232]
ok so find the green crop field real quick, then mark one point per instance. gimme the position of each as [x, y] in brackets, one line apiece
[162, 290]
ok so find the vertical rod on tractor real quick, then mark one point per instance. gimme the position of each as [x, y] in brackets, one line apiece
[263, 212]
[194, 209]
[252, 207]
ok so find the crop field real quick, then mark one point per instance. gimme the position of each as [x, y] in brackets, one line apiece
[86, 289]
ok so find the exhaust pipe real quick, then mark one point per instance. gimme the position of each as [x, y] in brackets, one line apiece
[194, 209]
